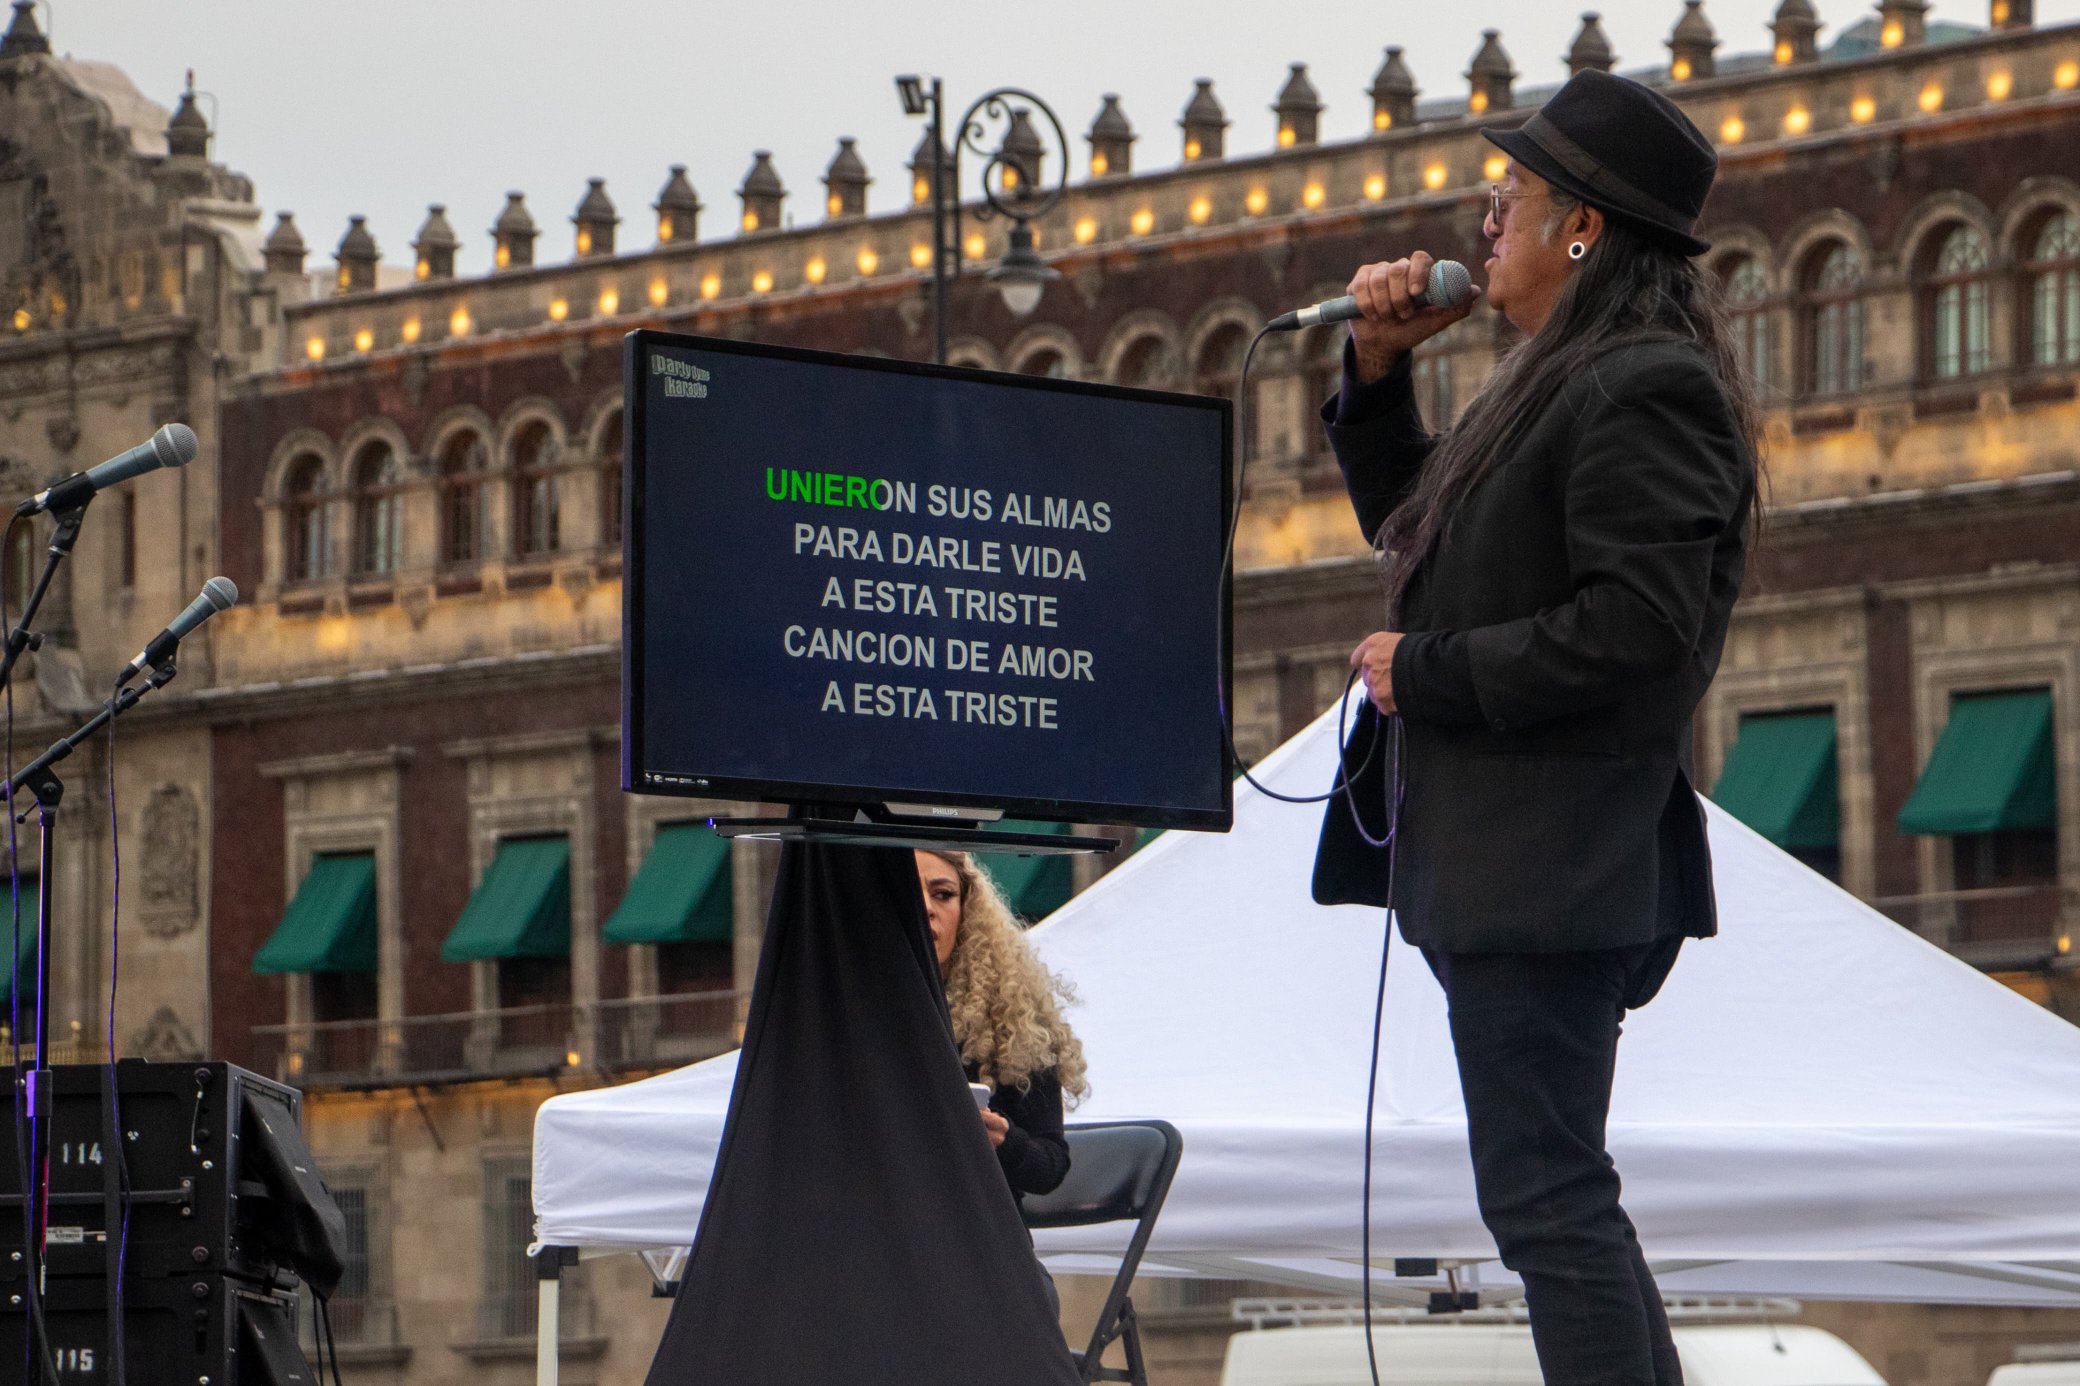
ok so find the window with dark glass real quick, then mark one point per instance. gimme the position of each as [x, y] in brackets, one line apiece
[1432, 374]
[508, 1307]
[463, 461]
[303, 514]
[1782, 780]
[1048, 363]
[1991, 786]
[1219, 366]
[519, 920]
[1832, 309]
[1144, 362]
[126, 543]
[2052, 291]
[328, 935]
[349, 1307]
[537, 460]
[610, 483]
[1320, 354]
[1746, 287]
[378, 509]
[354, 1314]
[24, 553]
[1954, 305]
[343, 996]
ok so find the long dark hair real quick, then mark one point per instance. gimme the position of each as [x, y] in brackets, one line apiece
[1628, 289]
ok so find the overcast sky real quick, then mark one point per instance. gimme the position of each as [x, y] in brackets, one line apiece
[382, 106]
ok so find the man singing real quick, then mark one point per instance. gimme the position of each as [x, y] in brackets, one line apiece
[1560, 566]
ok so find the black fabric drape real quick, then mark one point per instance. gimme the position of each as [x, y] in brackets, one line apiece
[857, 1227]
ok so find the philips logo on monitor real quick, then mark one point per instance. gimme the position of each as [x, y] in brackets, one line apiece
[681, 379]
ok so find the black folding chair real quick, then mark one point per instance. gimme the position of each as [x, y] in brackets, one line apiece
[1118, 1171]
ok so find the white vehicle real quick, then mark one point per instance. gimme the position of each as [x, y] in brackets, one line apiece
[1480, 1354]
[2064, 1372]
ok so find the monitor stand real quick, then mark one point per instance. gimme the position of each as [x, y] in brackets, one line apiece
[879, 826]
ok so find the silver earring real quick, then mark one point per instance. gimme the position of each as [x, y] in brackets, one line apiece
[1577, 251]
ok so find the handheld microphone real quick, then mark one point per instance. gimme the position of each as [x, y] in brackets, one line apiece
[1450, 286]
[171, 446]
[217, 594]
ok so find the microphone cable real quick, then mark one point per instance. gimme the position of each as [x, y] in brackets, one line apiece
[1379, 1013]
[112, 1109]
[1344, 776]
[32, 1284]
[1388, 730]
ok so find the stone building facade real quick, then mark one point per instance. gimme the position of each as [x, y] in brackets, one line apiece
[415, 481]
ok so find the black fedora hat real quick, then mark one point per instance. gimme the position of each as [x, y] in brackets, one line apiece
[1623, 148]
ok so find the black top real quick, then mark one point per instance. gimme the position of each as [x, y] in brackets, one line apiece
[1035, 1153]
[1564, 630]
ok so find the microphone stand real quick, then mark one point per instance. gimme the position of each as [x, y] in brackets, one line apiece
[21, 638]
[39, 777]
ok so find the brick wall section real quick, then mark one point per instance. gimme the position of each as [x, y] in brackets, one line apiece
[1949, 542]
[247, 887]
[1894, 764]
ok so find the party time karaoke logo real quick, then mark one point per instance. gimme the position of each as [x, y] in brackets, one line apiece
[682, 380]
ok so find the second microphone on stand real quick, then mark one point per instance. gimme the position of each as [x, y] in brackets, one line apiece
[1449, 287]
[217, 594]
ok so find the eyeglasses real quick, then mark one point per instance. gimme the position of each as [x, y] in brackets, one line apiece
[1497, 197]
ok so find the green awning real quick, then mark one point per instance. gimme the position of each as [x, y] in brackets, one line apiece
[1035, 887]
[1991, 769]
[1780, 779]
[25, 941]
[522, 907]
[331, 924]
[681, 894]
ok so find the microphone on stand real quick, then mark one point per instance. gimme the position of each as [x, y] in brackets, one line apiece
[217, 594]
[1450, 286]
[171, 446]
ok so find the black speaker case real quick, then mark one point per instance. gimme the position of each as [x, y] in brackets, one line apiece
[178, 1331]
[194, 1208]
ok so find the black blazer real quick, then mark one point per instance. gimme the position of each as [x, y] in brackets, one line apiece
[1565, 629]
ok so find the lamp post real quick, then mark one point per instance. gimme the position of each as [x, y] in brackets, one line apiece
[1011, 187]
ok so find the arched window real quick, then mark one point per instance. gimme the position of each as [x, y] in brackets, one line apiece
[378, 509]
[1321, 372]
[1219, 366]
[1045, 362]
[303, 519]
[1144, 363]
[1745, 284]
[1295, 433]
[1954, 311]
[537, 521]
[1833, 311]
[610, 483]
[2052, 276]
[24, 552]
[1432, 371]
[463, 461]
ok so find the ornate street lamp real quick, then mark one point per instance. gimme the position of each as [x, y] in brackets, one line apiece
[1011, 187]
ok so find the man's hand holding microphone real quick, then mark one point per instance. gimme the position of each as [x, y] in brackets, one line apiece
[1396, 314]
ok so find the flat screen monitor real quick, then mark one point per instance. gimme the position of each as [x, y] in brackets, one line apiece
[851, 580]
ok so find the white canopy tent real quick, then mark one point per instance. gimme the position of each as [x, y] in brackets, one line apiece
[1819, 1104]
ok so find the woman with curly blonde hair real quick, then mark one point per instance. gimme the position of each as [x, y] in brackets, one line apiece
[1007, 1018]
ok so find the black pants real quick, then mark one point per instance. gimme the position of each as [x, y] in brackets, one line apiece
[1537, 1039]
